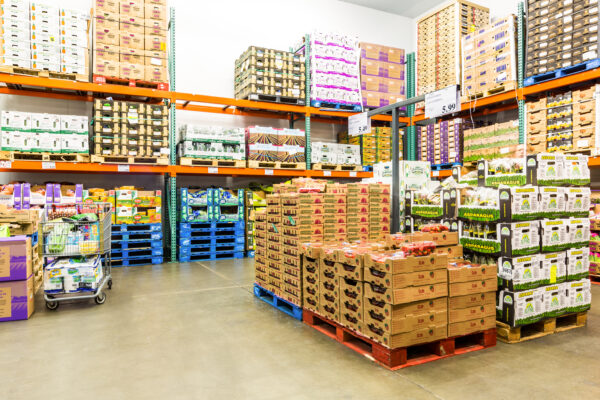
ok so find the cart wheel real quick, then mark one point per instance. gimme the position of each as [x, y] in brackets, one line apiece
[52, 305]
[109, 284]
[101, 298]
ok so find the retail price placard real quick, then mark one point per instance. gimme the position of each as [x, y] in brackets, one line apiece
[359, 124]
[442, 102]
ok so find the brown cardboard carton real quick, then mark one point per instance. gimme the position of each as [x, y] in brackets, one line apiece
[106, 52]
[18, 299]
[424, 335]
[405, 295]
[111, 6]
[131, 24]
[133, 8]
[107, 68]
[467, 273]
[155, 58]
[469, 313]
[408, 264]
[132, 56]
[352, 307]
[475, 325]
[450, 251]
[348, 271]
[155, 74]
[131, 40]
[310, 302]
[329, 306]
[107, 36]
[395, 281]
[472, 287]
[155, 27]
[351, 289]
[155, 11]
[155, 43]
[106, 20]
[383, 310]
[439, 238]
[408, 323]
[351, 321]
[472, 300]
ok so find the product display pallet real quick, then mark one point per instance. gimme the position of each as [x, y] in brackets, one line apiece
[60, 157]
[212, 240]
[439, 167]
[42, 73]
[210, 248]
[276, 165]
[548, 326]
[220, 233]
[336, 106]
[562, 72]
[336, 167]
[206, 256]
[273, 98]
[118, 245]
[282, 305]
[129, 160]
[130, 82]
[404, 356]
[136, 261]
[501, 88]
[157, 227]
[141, 252]
[211, 162]
[137, 236]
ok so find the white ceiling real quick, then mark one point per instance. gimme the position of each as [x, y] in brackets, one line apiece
[406, 8]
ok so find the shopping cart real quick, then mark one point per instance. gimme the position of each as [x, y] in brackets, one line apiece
[76, 232]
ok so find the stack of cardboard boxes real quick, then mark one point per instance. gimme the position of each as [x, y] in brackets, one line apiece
[442, 142]
[375, 146]
[261, 266]
[492, 141]
[136, 206]
[130, 40]
[274, 245]
[335, 153]
[212, 143]
[43, 37]
[357, 210]
[334, 214]
[266, 144]
[379, 211]
[17, 277]
[124, 128]
[563, 122]
[382, 75]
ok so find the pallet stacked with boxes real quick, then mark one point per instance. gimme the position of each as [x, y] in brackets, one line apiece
[563, 122]
[130, 41]
[499, 140]
[438, 43]
[211, 224]
[276, 148]
[375, 146]
[382, 75]
[335, 156]
[442, 142]
[211, 146]
[489, 59]
[130, 132]
[51, 41]
[561, 39]
[270, 75]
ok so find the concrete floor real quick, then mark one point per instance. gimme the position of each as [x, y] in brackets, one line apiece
[195, 331]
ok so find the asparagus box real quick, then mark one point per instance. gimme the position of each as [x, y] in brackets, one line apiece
[520, 308]
[579, 295]
[578, 263]
[519, 238]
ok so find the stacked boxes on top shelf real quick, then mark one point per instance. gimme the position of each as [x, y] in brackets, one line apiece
[500, 140]
[563, 122]
[334, 154]
[211, 224]
[43, 37]
[559, 35]
[133, 130]
[438, 43]
[382, 75]
[130, 41]
[442, 142]
[489, 59]
[276, 148]
[26, 132]
[211, 143]
[270, 75]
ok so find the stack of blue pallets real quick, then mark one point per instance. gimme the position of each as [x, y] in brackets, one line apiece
[210, 240]
[136, 244]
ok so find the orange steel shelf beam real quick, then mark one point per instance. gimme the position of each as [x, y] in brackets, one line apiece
[562, 82]
[186, 170]
[85, 168]
[594, 162]
[444, 173]
[47, 95]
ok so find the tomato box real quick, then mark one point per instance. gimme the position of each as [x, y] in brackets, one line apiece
[395, 264]
[394, 281]
[409, 322]
[471, 272]
[473, 287]
[406, 295]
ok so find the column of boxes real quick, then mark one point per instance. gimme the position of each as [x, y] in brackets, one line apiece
[16, 34]
[274, 256]
[293, 219]
[379, 211]
[500, 140]
[310, 280]
[349, 271]
[131, 40]
[137, 206]
[261, 269]
[357, 210]
[382, 75]
[334, 217]
[268, 144]
[267, 74]
[441, 143]
[17, 288]
[438, 43]
[130, 129]
[335, 153]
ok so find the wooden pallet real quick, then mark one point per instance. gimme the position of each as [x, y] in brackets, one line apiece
[505, 87]
[129, 160]
[276, 165]
[130, 82]
[209, 162]
[394, 359]
[60, 157]
[594, 279]
[272, 98]
[545, 327]
[8, 69]
[336, 167]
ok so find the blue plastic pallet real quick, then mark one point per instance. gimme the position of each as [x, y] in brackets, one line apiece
[137, 228]
[129, 245]
[129, 236]
[34, 238]
[337, 106]
[250, 253]
[196, 249]
[211, 256]
[367, 168]
[143, 252]
[562, 72]
[136, 261]
[217, 232]
[211, 225]
[285, 306]
[439, 167]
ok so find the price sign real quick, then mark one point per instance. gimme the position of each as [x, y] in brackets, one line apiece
[213, 170]
[48, 165]
[123, 168]
[353, 174]
[268, 172]
[442, 102]
[5, 164]
[326, 173]
[359, 124]
[435, 173]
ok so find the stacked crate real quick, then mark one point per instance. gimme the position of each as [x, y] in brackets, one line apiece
[357, 209]
[375, 146]
[334, 154]
[379, 211]
[334, 217]
[559, 35]
[261, 269]
[211, 224]
[273, 145]
[274, 243]
[17, 286]
[441, 143]
[563, 122]
[382, 75]
[130, 40]
[255, 202]
[438, 40]
[211, 143]
[500, 140]
[489, 59]
[271, 75]
[130, 129]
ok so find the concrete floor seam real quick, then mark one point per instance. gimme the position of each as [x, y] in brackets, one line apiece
[249, 289]
[406, 378]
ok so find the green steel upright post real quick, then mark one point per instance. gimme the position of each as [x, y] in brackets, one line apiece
[307, 100]
[520, 68]
[410, 93]
[172, 181]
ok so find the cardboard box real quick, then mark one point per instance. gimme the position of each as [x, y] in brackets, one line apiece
[17, 299]
[405, 295]
[396, 281]
[133, 8]
[131, 40]
[472, 287]
[467, 273]
[155, 43]
[471, 300]
[155, 11]
[471, 326]
[131, 71]
[15, 258]
[155, 27]
[408, 264]
[425, 335]
[107, 36]
[131, 24]
[488, 308]
[111, 6]
[155, 58]
[155, 74]
[408, 323]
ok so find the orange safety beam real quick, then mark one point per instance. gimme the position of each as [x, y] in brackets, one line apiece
[48, 95]
[94, 168]
[490, 100]
[197, 98]
[229, 171]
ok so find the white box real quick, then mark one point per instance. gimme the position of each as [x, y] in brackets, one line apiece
[15, 120]
[47, 66]
[579, 295]
[73, 69]
[16, 52]
[74, 143]
[555, 300]
[45, 122]
[11, 44]
[15, 21]
[21, 33]
[49, 28]
[73, 14]
[12, 140]
[42, 8]
[44, 37]
[74, 124]
[46, 57]
[75, 24]
[73, 55]
[73, 39]
[15, 6]
[48, 142]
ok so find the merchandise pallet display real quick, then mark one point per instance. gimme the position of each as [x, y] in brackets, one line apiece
[441, 143]
[594, 249]
[382, 75]
[375, 146]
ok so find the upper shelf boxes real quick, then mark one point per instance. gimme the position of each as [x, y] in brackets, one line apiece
[382, 75]
[438, 43]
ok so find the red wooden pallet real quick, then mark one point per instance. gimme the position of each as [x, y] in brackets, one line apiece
[594, 279]
[130, 82]
[403, 357]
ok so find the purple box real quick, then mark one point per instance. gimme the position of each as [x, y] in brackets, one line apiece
[17, 196]
[20, 296]
[68, 194]
[15, 258]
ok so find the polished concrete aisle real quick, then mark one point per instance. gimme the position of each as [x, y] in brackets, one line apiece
[195, 331]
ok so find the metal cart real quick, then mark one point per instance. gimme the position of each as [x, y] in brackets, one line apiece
[76, 231]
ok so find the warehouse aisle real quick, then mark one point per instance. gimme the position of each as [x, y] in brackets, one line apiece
[191, 331]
